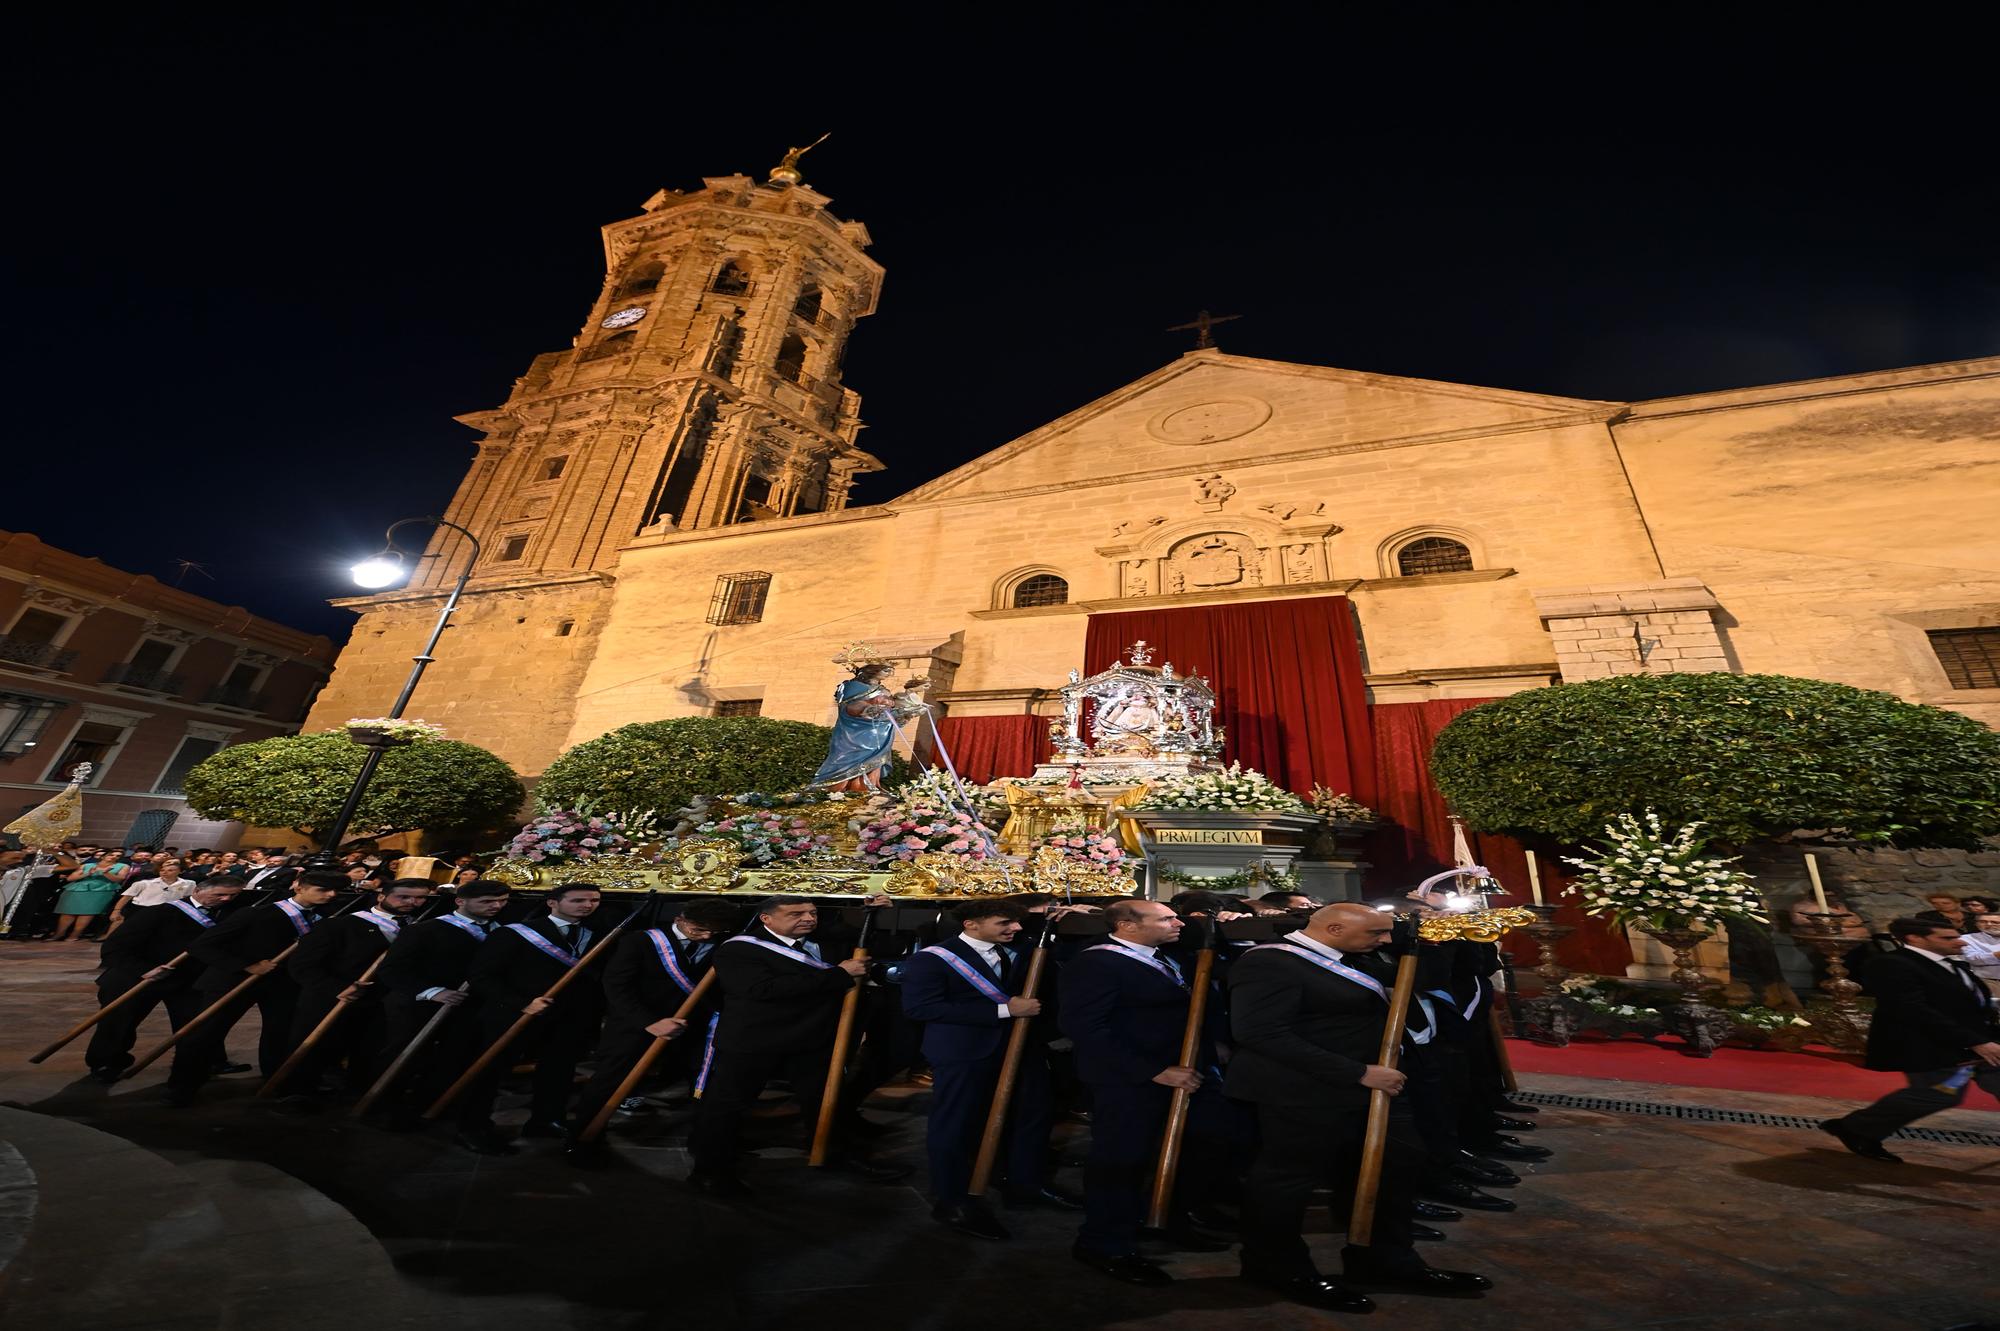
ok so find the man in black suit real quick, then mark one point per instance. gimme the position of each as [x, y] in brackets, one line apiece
[427, 968]
[966, 991]
[140, 951]
[781, 1002]
[1124, 1005]
[249, 943]
[1935, 1023]
[1308, 1014]
[651, 974]
[512, 970]
[328, 967]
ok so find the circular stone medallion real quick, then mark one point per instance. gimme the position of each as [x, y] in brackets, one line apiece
[1209, 422]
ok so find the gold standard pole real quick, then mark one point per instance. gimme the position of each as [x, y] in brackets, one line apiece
[513, 1032]
[1361, 1224]
[1010, 1068]
[1177, 1110]
[595, 1128]
[103, 1012]
[843, 1040]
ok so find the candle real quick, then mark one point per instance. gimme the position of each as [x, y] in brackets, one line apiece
[1819, 889]
[1534, 878]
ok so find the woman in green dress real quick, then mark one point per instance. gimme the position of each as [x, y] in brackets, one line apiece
[90, 893]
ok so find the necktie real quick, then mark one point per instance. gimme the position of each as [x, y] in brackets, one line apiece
[1969, 980]
[1168, 962]
[811, 949]
[993, 961]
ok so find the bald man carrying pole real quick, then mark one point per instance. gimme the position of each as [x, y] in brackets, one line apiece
[1307, 1014]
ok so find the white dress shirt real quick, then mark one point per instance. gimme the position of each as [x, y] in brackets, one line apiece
[158, 891]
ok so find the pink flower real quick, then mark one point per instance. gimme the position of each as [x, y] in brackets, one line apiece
[915, 842]
[959, 846]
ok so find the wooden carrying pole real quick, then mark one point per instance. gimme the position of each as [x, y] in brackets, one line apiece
[319, 1032]
[394, 1072]
[103, 1012]
[513, 1032]
[1010, 1067]
[602, 1118]
[1361, 1225]
[843, 1040]
[213, 1010]
[1177, 1110]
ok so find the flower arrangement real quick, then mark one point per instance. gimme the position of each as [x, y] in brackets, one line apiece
[397, 727]
[1341, 807]
[562, 836]
[1232, 790]
[1768, 1018]
[767, 836]
[1590, 991]
[1645, 876]
[1086, 844]
[791, 799]
[894, 830]
[1256, 880]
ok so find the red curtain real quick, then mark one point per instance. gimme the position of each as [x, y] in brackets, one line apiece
[985, 747]
[1287, 676]
[1417, 844]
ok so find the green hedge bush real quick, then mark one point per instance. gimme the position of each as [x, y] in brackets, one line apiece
[664, 764]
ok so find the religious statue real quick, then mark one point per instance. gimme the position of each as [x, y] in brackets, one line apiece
[787, 171]
[864, 728]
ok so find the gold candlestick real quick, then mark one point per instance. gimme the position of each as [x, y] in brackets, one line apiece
[1846, 1027]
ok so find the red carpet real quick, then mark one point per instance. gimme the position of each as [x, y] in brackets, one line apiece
[1821, 1073]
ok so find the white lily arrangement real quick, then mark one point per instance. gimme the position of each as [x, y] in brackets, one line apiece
[1233, 790]
[1645, 875]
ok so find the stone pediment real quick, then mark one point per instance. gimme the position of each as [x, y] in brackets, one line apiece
[1208, 410]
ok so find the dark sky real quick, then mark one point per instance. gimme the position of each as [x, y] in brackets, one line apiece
[258, 262]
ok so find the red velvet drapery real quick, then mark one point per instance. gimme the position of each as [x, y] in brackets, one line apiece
[985, 747]
[1418, 842]
[1287, 676]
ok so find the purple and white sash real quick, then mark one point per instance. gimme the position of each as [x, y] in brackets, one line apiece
[707, 1054]
[1143, 960]
[298, 917]
[665, 947]
[193, 912]
[457, 921]
[1341, 969]
[971, 974]
[795, 953]
[543, 945]
[383, 920]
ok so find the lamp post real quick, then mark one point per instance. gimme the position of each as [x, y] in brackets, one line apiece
[377, 572]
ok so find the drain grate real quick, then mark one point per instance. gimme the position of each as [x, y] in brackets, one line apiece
[1707, 1114]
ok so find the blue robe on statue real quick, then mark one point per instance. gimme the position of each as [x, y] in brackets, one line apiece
[860, 744]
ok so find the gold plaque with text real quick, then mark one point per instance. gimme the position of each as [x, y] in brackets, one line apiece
[1208, 836]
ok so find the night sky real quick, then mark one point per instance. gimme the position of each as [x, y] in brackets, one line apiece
[257, 263]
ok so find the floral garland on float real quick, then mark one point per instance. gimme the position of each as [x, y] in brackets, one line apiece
[1235, 789]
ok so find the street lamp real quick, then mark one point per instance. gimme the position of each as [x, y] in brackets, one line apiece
[385, 569]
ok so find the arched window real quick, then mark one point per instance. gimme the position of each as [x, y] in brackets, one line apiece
[807, 305]
[643, 279]
[792, 358]
[1433, 554]
[1041, 589]
[731, 281]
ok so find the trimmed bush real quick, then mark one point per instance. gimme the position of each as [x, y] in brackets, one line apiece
[664, 764]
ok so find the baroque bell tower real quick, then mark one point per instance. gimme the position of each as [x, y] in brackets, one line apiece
[704, 389]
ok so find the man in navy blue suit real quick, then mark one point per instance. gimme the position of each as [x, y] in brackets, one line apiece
[1124, 1004]
[966, 991]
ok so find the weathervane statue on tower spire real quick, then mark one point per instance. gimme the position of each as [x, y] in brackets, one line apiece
[787, 171]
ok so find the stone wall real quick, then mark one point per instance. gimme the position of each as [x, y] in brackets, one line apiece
[1877, 884]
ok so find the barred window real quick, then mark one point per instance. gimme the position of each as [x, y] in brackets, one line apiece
[1970, 657]
[1433, 554]
[1041, 589]
[739, 598]
[739, 707]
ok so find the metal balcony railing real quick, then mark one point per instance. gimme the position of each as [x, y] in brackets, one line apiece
[35, 652]
[138, 677]
[226, 695]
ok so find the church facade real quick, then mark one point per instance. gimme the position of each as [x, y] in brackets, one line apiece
[666, 527]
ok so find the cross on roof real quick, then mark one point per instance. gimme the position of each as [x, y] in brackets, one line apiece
[1203, 326]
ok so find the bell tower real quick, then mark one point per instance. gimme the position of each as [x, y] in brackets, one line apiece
[703, 389]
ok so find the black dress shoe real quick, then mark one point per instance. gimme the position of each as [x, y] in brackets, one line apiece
[1362, 1269]
[108, 1076]
[1505, 1124]
[481, 1144]
[1129, 1267]
[542, 1129]
[1425, 1233]
[1865, 1147]
[1433, 1211]
[1314, 1290]
[972, 1218]
[1485, 1177]
[1217, 1218]
[230, 1069]
[1509, 1149]
[1053, 1198]
[1183, 1238]
[868, 1169]
[718, 1185]
[1467, 1196]
[1515, 1106]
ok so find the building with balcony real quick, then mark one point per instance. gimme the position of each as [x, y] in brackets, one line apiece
[142, 681]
